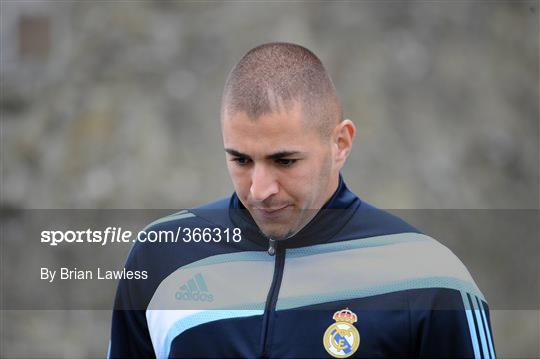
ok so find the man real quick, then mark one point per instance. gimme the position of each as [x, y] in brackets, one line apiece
[294, 264]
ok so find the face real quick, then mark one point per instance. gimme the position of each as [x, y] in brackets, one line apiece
[282, 170]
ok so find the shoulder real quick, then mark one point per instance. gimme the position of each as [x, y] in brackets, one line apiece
[195, 216]
[400, 255]
[171, 247]
[162, 257]
[370, 221]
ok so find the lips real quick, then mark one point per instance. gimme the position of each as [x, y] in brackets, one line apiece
[271, 211]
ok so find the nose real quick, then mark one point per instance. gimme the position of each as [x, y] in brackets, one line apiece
[263, 183]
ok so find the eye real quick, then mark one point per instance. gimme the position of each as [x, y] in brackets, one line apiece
[286, 162]
[242, 161]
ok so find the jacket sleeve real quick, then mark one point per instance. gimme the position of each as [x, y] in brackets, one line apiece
[451, 323]
[130, 337]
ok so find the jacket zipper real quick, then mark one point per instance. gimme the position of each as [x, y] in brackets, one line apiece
[271, 300]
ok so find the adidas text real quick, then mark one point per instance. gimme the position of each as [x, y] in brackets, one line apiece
[196, 296]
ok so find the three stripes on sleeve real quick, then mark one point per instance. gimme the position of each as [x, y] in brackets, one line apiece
[479, 328]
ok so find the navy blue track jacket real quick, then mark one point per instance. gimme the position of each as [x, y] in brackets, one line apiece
[355, 282]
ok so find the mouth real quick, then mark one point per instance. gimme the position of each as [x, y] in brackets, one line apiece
[271, 212]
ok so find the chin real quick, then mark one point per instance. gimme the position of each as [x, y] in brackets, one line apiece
[277, 234]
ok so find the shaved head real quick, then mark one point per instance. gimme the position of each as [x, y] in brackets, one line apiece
[272, 77]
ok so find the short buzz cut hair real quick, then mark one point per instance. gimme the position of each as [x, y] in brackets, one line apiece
[273, 76]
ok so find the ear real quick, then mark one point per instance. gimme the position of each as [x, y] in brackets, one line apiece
[343, 140]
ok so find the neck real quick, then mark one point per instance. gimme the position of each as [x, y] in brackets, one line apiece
[333, 185]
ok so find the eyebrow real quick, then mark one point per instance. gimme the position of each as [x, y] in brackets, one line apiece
[272, 156]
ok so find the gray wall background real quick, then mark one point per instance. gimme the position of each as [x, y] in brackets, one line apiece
[116, 105]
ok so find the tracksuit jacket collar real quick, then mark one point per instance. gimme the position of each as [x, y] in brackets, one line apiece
[321, 229]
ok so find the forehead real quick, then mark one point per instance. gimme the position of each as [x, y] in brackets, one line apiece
[282, 130]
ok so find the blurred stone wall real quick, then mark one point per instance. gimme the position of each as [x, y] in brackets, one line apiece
[123, 111]
[116, 105]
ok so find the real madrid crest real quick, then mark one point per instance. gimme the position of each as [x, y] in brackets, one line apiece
[342, 339]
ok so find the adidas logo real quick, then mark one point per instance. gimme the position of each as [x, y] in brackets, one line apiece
[195, 289]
